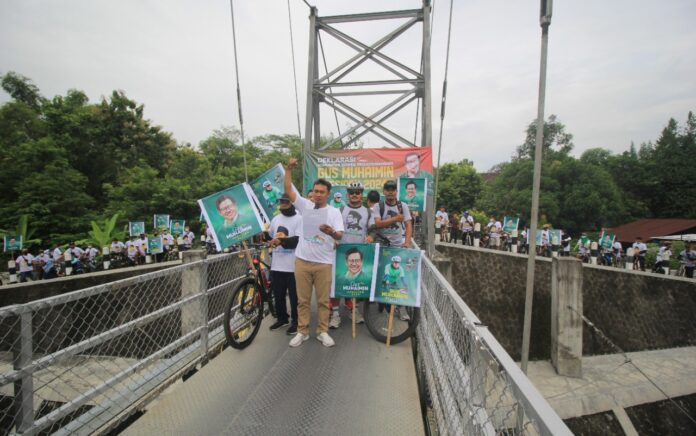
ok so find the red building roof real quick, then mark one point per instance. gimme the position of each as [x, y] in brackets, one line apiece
[647, 228]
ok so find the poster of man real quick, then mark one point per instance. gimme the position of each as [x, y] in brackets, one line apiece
[413, 192]
[607, 241]
[268, 188]
[398, 280]
[136, 228]
[12, 243]
[233, 215]
[161, 222]
[510, 223]
[176, 227]
[154, 245]
[412, 169]
[353, 270]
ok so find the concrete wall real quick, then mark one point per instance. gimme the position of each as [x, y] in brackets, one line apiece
[638, 311]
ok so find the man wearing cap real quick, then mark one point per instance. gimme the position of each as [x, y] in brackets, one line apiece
[284, 231]
[314, 257]
[337, 201]
[393, 218]
[357, 219]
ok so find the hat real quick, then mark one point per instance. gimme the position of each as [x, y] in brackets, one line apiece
[266, 184]
[338, 195]
[396, 259]
[284, 197]
[545, 225]
[390, 184]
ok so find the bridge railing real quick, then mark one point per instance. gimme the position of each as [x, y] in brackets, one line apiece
[470, 384]
[81, 361]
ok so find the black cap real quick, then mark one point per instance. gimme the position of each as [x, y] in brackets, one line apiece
[390, 184]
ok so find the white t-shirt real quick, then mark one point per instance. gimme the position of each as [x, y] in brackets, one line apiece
[396, 233]
[617, 247]
[24, 261]
[92, 253]
[639, 246]
[117, 247]
[284, 258]
[77, 252]
[495, 228]
[467, 223]
[442, 216]
[190, 236]
[56, 254]
[132, 248]
[168, 240]
[317, 252]
[141, 246]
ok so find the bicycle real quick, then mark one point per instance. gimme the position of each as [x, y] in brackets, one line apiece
[376, 316]
[244, 309]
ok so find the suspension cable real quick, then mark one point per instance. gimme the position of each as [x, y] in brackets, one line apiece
[308, 5]
[239, 94]
[323, 57]
[444, 100]
[294, 74]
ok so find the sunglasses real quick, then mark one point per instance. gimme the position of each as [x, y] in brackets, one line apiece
[354, 192]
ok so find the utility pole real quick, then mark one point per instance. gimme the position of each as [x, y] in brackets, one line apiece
[545, 22]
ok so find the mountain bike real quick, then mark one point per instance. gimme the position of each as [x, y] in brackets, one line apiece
[244, 309]
[376, 316]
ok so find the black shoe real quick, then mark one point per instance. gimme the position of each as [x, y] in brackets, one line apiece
[292, 329]
[279, 324]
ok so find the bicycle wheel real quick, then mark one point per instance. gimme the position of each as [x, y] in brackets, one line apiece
[243, 314]
[377, 317]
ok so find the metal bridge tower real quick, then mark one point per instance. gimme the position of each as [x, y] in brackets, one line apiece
[332, 88]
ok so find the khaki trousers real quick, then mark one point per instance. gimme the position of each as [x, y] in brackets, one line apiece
[310, 275]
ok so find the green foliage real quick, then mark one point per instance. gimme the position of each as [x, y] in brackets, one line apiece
[102, 236]
[459, 186]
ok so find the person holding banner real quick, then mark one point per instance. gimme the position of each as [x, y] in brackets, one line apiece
[314, 256]
[284, 230]
[357, 219]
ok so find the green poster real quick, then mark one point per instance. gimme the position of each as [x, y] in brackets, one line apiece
[154, 245]
[160, 222]
[268, 187]
[413, 192]
[136, 228]
[607, 241]
[555, 236]
[510, 223]
[13, 243]
[176, 227]
[233, 215]
[338, 197]
[353, 270]
[398, 274]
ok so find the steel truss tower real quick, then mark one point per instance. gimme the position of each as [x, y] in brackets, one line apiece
[332, 88]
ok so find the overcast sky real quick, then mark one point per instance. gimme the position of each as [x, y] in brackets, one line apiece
[617, 70]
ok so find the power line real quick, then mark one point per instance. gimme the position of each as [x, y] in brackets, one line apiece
[239, 94]
[294, 73]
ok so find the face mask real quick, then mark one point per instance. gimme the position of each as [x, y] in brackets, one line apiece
[289, 211]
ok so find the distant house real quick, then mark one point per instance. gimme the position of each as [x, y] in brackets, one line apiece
[649, 228]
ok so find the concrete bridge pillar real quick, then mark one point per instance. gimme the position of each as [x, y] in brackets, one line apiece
[192, 283]
[566, 320]
[444, 265]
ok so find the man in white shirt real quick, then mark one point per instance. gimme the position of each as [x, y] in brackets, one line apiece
[91, 252]
[76, 252]
[57, 254]
[284, 230]
[639, 251]
[116, 246]
[441, 220]
[188, 238]
[314, 256]
[25, 261]
[495, 228]
[466, 225]
[141, 246]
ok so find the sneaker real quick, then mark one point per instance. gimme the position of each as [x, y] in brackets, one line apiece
[325, 339]
[403, 314]
[279, 324]
[292, 329]
[335, 320]
[358, 317]
[298, 340]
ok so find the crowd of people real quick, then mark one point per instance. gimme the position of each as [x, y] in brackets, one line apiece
[59, 261]
[609, 253]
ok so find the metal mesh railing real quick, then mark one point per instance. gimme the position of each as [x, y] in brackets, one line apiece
[469, 383]
[79, 362]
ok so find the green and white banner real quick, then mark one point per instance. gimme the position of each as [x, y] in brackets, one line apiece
[160, 222]
[606, 240]
[12, 243]
[268, 187]
[176, 227]
[136, 228]
[233, 215]
[510, 223]
[154, 245]
[354, 270]
[413, 192]
[399, 277]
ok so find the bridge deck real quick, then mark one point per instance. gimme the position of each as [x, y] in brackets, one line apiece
[357, 387]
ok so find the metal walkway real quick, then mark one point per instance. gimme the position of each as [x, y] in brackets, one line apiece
[358, 387]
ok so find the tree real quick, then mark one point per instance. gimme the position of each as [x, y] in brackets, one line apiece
[556, 140]
[22, 90]
[459, 186]
[101, 236]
